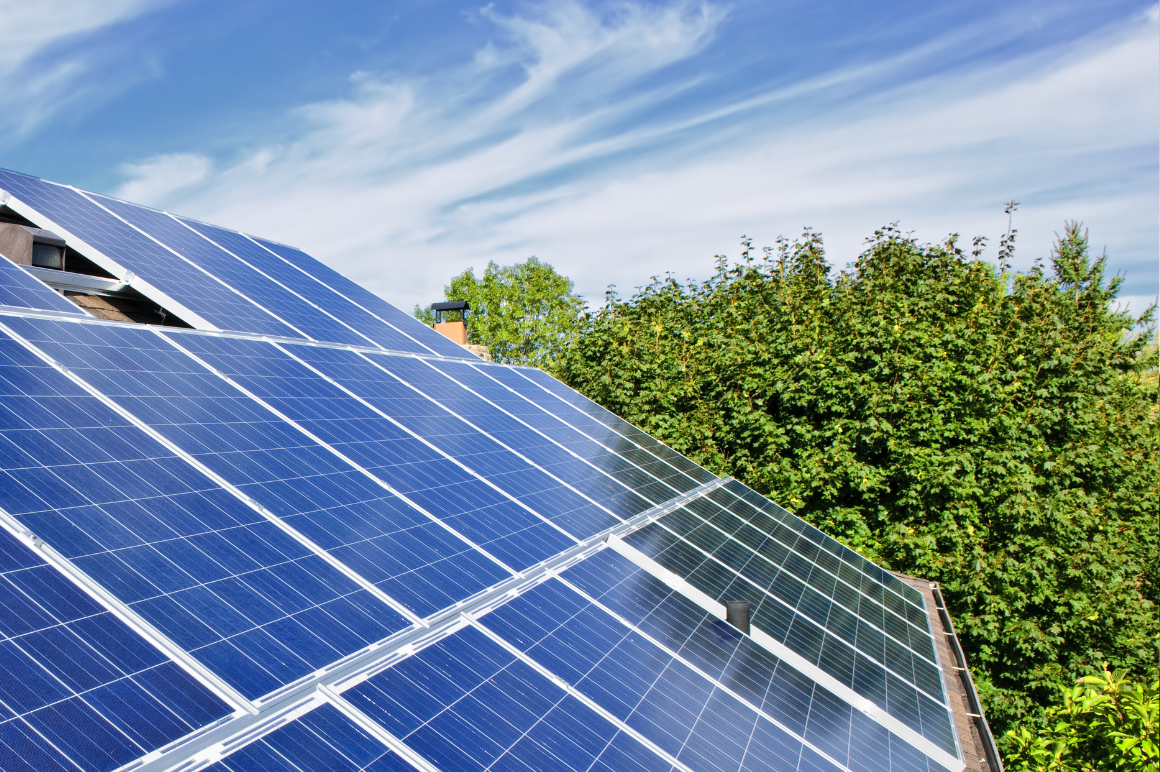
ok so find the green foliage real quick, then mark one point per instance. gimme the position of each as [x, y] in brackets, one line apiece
[526, 313]
[1106, 722]
[990, 431]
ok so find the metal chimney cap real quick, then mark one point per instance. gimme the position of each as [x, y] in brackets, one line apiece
[451, 305]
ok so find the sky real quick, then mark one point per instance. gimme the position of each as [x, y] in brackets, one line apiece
[404, 142]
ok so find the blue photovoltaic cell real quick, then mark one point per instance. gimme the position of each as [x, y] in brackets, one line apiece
[702, 705]
[368, 300]
[145, 257]
[556, 625]
[310, 288]
[447, 491]
[465, 703]
[671, 476]
[258, 288]
[323, 740]
[771, 555]
[646, 489]
[411, 558]
[220, 580]
[485, 515]
[777, 535]
[445, 381]
[758, 502]
[72, 672]
[811, 626]
[19, 289]
[615, 422]
[522, 479]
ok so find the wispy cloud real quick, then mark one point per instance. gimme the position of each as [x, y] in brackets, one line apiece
[561, 139]
[42, 69]
[160, 176]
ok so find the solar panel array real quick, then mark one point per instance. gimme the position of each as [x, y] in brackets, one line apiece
[312, 533]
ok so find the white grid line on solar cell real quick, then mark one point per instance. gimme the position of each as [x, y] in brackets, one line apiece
[751, 551]
[145, 628]
[494, 439]
[108, 263]
[909, 680]
[356, 669]
[489, 369]
[815, 562]
[377, 731]
[271, 278]
[566, 449]
[692, 666]
[614, 426]
[93, 198]
[290, 529]
[585, 699]
[518, 371]
[138, 623]
[211, 331]
[423, 439]
[795, 660]
[837, 549]
[335, 291]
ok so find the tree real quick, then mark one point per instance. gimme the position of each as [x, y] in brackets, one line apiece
[525, 313]
[1105, 722]
[991, 431]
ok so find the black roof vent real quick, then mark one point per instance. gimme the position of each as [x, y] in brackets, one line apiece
[737, 614]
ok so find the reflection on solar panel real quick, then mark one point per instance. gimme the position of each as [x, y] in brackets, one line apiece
[311, 533]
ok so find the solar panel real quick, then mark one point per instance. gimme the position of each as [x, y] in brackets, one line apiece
[306, 319]
[312, 533]
[791, 601]
[20, 290]
[309, 288]
[173, 282]
[366, 300]
[248, 600]
[322, 739]
[80, 687]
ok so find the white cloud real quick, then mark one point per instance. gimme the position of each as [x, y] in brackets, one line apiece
[162, 175]
[404, 183]
[40, 65]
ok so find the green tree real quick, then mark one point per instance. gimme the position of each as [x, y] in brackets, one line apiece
[1106, 722]
[988, 430]
[525, 314]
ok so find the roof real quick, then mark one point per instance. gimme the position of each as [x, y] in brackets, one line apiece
[290, 527]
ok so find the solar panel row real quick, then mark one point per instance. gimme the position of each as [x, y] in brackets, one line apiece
[182, 265]
[333, 518]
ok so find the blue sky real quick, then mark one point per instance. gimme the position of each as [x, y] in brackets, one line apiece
[403, 142]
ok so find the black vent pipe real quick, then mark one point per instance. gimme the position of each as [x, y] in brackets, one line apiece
[737, 614]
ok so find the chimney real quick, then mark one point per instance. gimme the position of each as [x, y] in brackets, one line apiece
[456, 331]
[25, 245]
